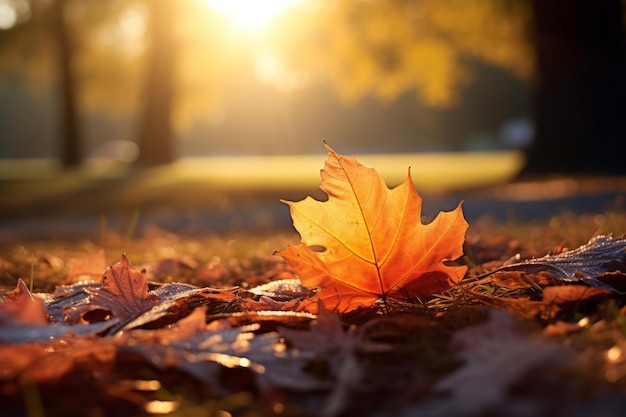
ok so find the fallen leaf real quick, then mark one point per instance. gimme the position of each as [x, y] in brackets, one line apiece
[203, 350]
[520, 307]
[268, 318]
[556, 300]
[367, 242]
[268, 304]
[174, 303]
[124, 294]
[281, 290]
[65, 297]
[279, 295]
[614, 279]
[70, 353]
[182, 329]
[497, 354]
[566, 295]
[327, 338]
[20, 305]
[585, 264]
[328, 342]
[20, 334]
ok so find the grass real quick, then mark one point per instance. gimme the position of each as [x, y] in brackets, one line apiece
[220, 182]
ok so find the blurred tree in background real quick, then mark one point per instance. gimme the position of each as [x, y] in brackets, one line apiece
[387, 47]
[169, 63]
[580, 86]
[155, 137]
[78, 48]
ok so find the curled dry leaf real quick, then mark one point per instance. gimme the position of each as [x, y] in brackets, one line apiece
[367, 242]
[203, 350]
[124, 293]
[175, 300]
[585, 264]
[279, 295]
[20, 305]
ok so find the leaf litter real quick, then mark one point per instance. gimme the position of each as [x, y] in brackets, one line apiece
[196, 330]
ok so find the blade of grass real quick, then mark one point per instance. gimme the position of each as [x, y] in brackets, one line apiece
[132, 226]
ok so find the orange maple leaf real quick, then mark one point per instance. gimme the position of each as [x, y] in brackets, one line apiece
[367, 242]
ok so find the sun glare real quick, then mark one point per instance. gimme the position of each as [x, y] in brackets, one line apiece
[251, 14]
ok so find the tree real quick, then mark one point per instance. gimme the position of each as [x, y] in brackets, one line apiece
[155, 137]
[581, 87]
[68, 43]
[42, 48]
[71, 152]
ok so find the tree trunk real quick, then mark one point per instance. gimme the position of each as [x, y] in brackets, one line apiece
[581, 87]
[155, 136]
[70, 131]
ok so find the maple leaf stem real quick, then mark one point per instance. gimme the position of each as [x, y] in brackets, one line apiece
[383, 298]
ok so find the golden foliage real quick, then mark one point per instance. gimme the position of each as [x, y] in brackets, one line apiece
[388, 47]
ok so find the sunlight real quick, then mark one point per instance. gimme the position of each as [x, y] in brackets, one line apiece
[251, 14]
[269, 69]
[13, 12]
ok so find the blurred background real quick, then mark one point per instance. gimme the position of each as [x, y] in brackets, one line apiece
[239, 94]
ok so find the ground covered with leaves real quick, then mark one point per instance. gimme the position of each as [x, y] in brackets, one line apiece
[228, 340]
[370, 310]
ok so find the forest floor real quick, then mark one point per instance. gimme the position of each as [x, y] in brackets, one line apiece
[228, 346]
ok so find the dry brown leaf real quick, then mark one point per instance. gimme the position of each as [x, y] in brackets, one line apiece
[22, 306]
[71, 352]
[328, 342]
[124, 294]
[511, 280]
[556, 299]
[203, 350]
[184, 328]
[564, 295]
[496, 354]
[367, 242]
[599, 256]
[327, 338]
[615, 279]
[520, 307]
[269, 304]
